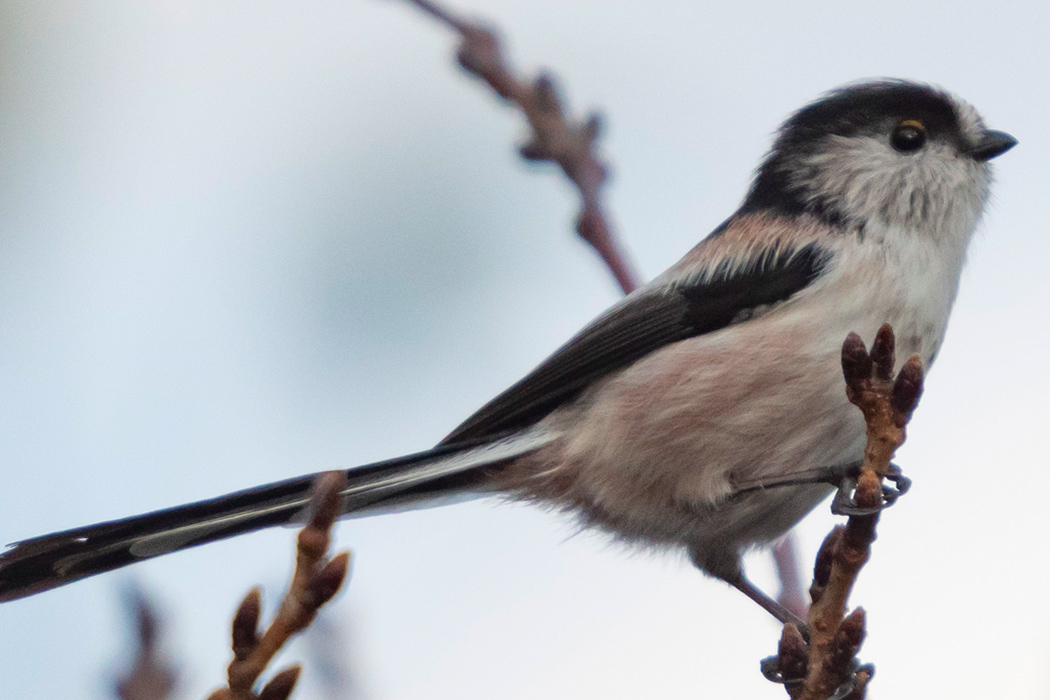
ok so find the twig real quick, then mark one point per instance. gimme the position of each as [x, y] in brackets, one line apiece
[330, 655]
[554, 137]
[571, 146]
[314, 583]
[786, 560]
[826, 664]
[151, 677]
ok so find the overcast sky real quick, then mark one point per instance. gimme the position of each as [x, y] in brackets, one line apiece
[246, 240]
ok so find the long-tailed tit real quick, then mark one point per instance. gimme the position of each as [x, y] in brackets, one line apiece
[722, 371]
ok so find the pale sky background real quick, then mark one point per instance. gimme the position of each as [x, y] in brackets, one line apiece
[246, 240]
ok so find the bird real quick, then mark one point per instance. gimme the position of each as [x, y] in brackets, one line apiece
[721, 371]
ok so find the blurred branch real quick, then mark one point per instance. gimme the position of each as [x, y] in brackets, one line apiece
[315, 581]
[571, 145]
[332, 657]
[824, 666]
[786, 560]
[554, 138]
[151, 677]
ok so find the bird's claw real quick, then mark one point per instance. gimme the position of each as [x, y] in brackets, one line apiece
[851, 683]
[845, 504]
[771, 671]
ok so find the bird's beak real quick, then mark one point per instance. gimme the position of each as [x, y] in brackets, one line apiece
[991, 144]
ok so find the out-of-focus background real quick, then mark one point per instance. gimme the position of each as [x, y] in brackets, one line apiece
[246, 240]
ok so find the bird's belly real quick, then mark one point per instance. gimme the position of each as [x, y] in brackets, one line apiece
[654, 452]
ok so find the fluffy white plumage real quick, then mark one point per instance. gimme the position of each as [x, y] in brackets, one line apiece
[723, 370]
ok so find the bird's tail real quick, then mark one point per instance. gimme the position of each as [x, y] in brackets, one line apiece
[46, 562]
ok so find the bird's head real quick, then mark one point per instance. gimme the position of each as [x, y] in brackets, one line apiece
[894, 153]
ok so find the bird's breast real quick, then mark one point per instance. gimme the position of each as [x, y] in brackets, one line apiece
[652, 451]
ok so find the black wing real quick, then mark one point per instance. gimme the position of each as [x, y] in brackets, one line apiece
[645, 322]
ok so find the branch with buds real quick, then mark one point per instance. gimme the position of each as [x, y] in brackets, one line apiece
[315, 582]
[571, 145]
[825, 666]
[151, 677]
[555, 137]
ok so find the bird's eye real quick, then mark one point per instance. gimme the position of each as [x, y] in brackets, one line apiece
[909, 136]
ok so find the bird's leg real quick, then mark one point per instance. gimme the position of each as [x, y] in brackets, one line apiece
[842, 476]
[727, 566]
[771, 606]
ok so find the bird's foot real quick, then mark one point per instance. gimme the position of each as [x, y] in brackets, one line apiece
[845, 504]
[772, 672]
[844, 477]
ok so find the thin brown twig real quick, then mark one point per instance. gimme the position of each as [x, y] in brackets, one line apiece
[315, 581]
[822, 665]
[554, 138]
[786, 560]
[571, 146]
[151, 677]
